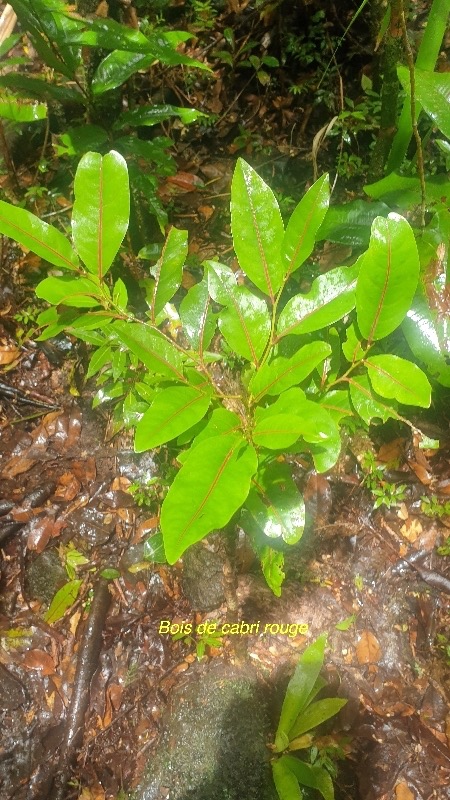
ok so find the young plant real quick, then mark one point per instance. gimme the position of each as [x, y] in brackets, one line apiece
[278, 380]
[91, 62]
[300, 715]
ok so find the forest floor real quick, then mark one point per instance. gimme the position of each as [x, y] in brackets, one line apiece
[376, 580]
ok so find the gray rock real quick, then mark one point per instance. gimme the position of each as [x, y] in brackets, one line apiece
[203, 578]
[213, 745]
[44, 576]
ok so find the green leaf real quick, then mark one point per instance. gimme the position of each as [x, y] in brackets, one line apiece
[63, 599]
[365, 403]
[276, 505]
[279, 431]
[315, 714]
[306, 219]
[173, 411]
[282, 372]
[221, 423]
[101, 209]
[257, 229]
[168, 271]
[310, 775]
[387, 278]
[154, 549]
[299, 688]
[198, 321]
[427, 335]
[154, 115]
[70, 291]
[337, 404]
[352, 347]
[285, 781]
[116, 68]
[245, 321]
[25, 86]
[110, 574]
[151, 347]
[272, 562]
[350, 223]
[330, 298]
[346, 623]
[17, 111]
[98, 360]
[77, 141]
[207, 491]
[120, 295]
[432, 91]
[34, 234]
[398, 379]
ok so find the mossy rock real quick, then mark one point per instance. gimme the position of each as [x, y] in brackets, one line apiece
[214, 740]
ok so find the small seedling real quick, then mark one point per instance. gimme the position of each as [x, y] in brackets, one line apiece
[300, 715]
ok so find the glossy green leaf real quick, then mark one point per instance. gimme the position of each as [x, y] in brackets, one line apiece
[350, 223]
[330, 298]
[154, 549]
[299, 689]
[315, 714]
[209, 488]
[152, 348]
[337, 404]
[272, 562]
[276, 505]
[311, 775]
[173, 411]
[428, 336]
[168, 271]
[279, 431]
[285, 781]
[368, 405]
[398, 379]
[63, 600]
[36, 235]
[387, 278]
[305, 221]
[25, 86]
[98, 360]
[70, 291]
[282, 372]
[245, 321]
[17, 111]
[120, 295]
[153, 115]
[352, 347]
[116, 68]
[77, 141]
[199, 323]
[101, 209]
[257, 229]
[432, 91]
[221, 423]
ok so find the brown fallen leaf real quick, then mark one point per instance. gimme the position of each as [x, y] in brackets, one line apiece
[368, 650]
[8, 353]
[39, 659]
[403, 792]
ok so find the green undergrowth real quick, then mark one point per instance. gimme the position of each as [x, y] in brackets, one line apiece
[245, 372]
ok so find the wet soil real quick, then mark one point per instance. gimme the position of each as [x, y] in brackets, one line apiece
[65, 489]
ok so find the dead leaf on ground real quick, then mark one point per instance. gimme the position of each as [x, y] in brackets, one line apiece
[403, 792]
[411, 530]
[391, 452]
[39, 659]
[368, 650]
[42, 530]
[8, 353]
